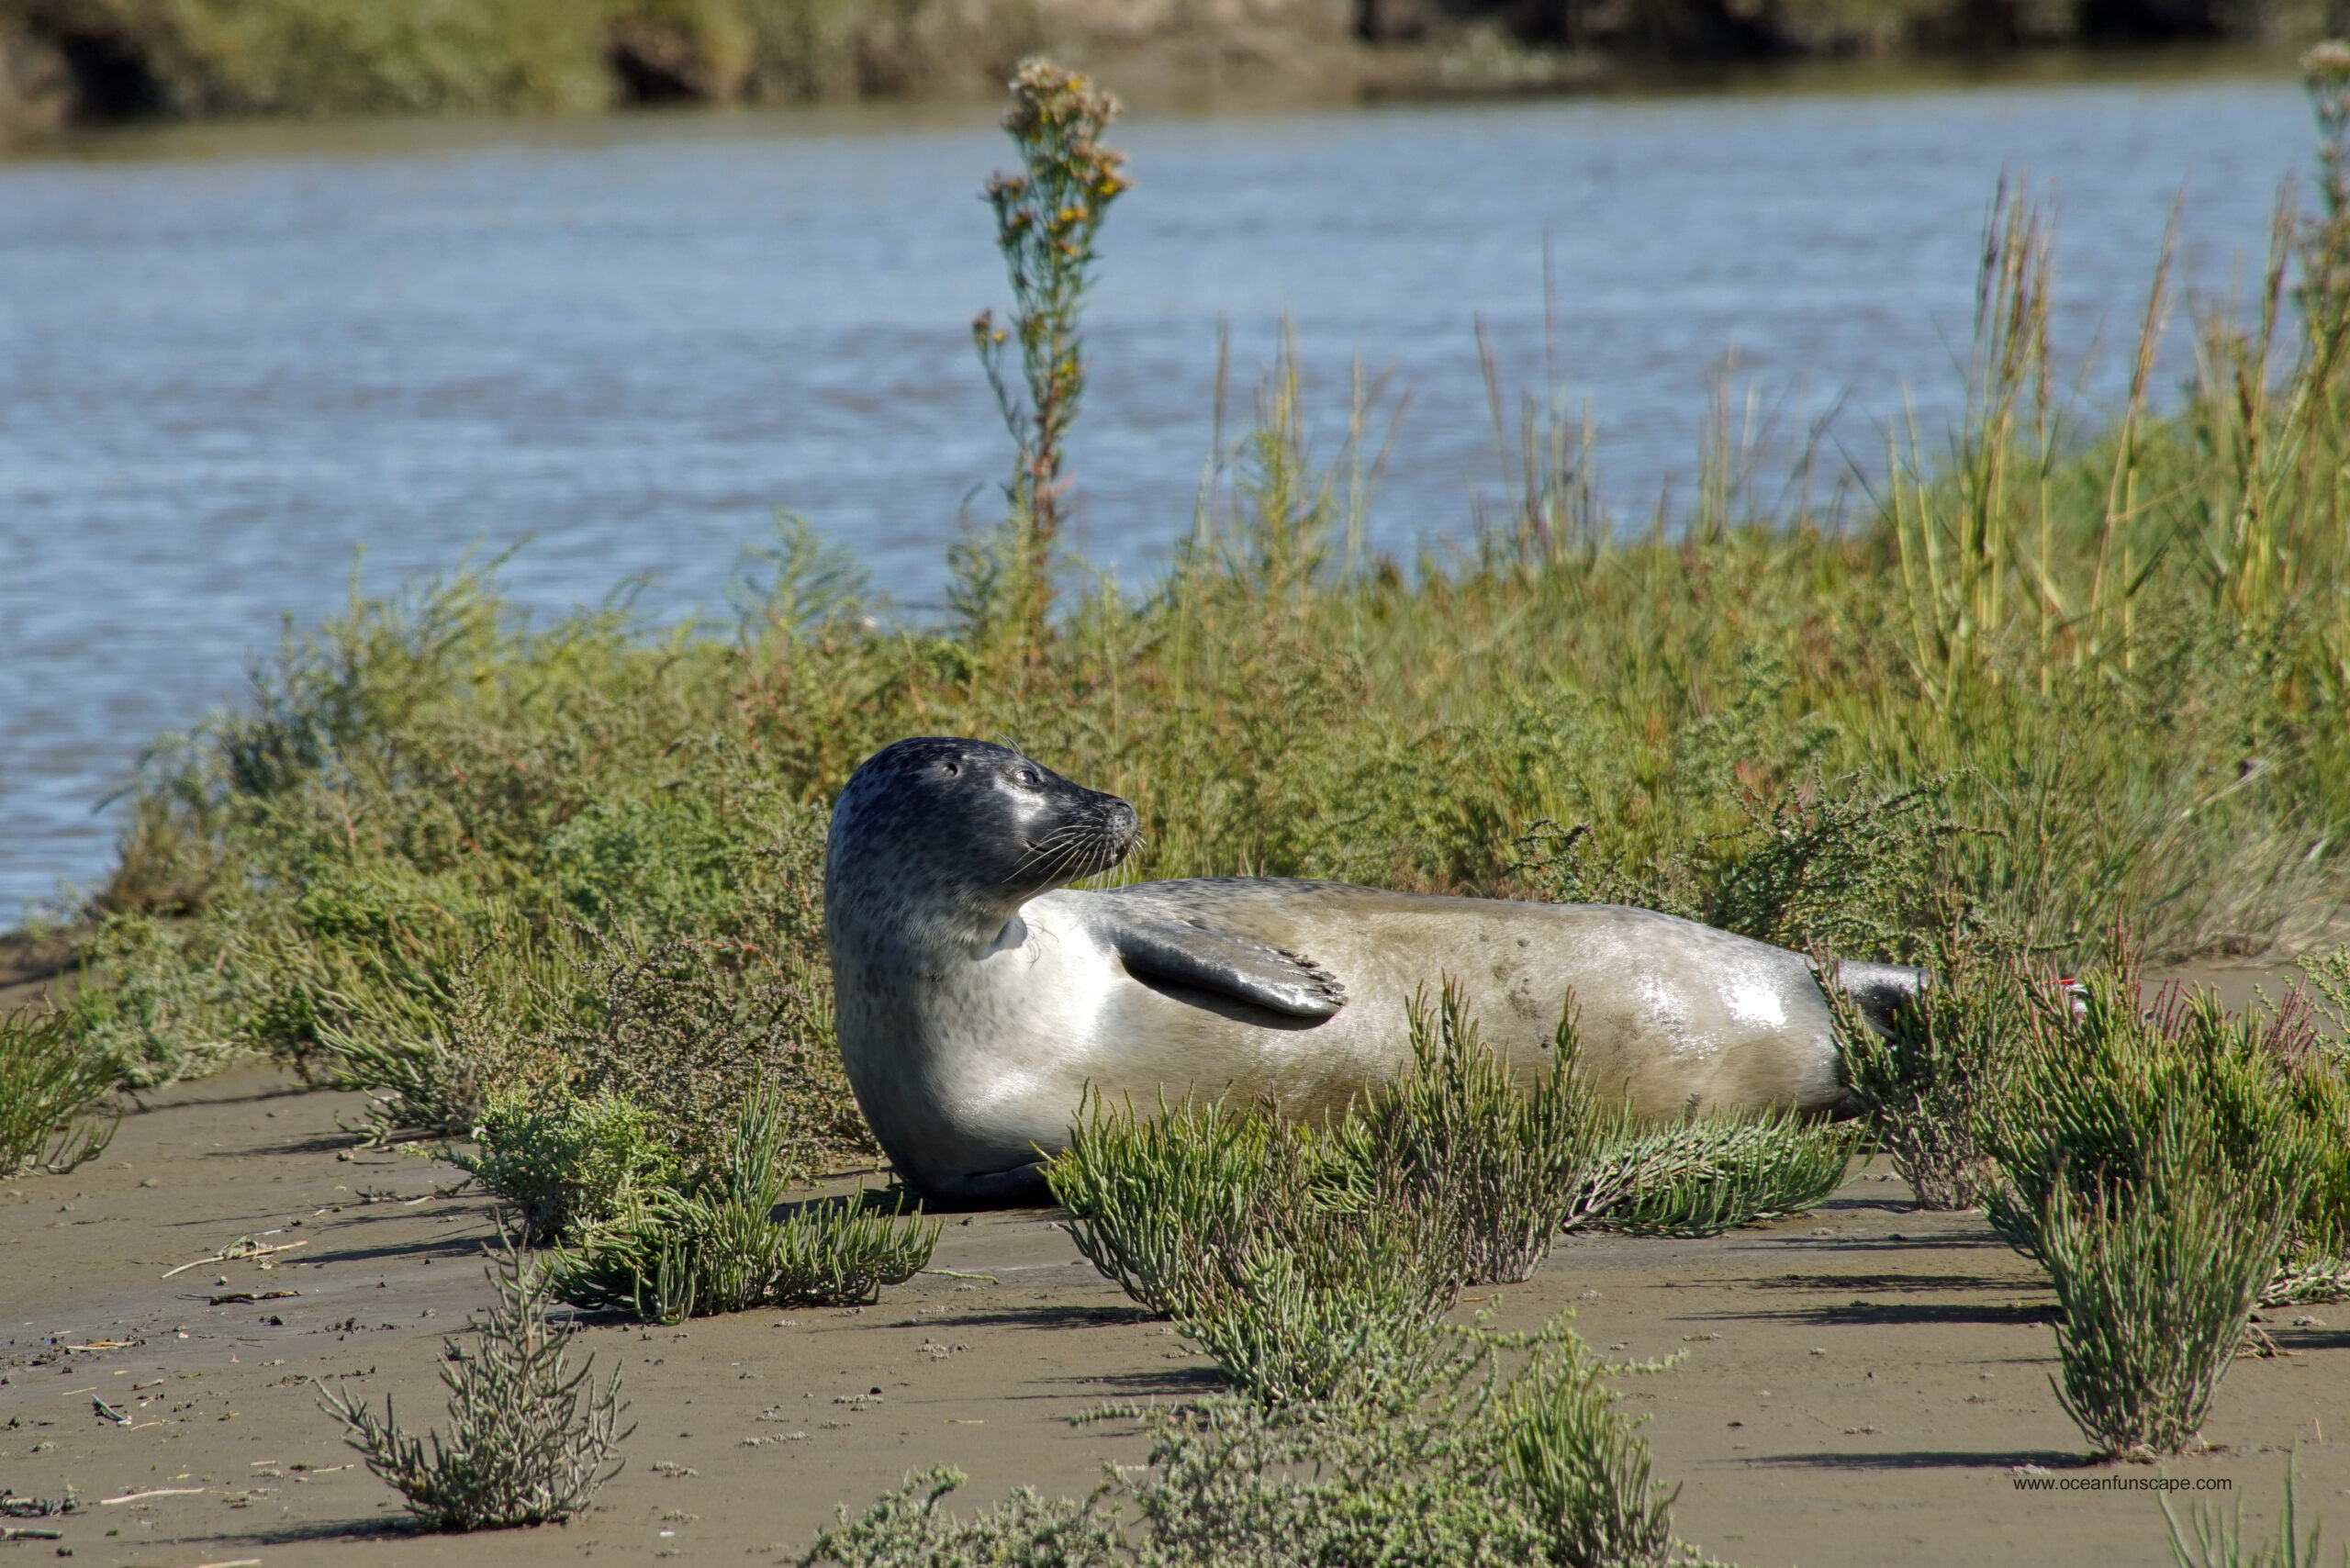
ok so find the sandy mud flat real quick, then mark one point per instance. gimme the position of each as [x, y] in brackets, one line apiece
[1864, 1384]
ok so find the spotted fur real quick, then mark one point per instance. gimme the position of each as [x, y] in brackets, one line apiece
[980, 997]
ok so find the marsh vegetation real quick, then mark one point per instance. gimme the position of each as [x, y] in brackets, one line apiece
[531, 1437]
[2069, 700]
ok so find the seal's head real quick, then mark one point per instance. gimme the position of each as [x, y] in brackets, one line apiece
[955, 836]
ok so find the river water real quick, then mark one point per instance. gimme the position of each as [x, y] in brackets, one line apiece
[232, 359]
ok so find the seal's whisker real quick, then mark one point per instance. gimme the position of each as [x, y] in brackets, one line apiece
[1097, 852]
[1051, 853]
[1051, 843]
[1072, 851]
[1074, 854]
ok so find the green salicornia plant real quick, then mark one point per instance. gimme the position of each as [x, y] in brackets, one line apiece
[1496, 1168]
[532, 1438]
[713, 1243]
[50, 1083]
[2316, 1052]
[1927, 1081]
[1337, 1295]
[2155, 1286]
[2102, 1095]
[1257, 1241]
[2160, 1163]
[1047, 216]
[2328, 977]
[1584, 1469]
[1485, 1449]
[1720, 1172]
[2111, 1099]
[567, 1163]
[433, 1018]
[2218, 1539]
[1149, 1197]
[1297, 1255]
[1246, 1231]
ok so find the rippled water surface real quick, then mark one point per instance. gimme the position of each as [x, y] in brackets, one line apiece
[228, 365]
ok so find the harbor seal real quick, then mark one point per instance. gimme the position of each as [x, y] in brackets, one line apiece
[978, 998]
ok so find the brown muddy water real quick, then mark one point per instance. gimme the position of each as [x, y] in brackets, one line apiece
[230, 359]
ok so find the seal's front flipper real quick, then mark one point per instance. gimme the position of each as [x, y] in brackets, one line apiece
[1181, 952]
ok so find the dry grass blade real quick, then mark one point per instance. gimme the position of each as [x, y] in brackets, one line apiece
[243, 1250]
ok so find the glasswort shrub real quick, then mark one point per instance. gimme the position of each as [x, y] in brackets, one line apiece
[1485, 1448]
[50, 1083]
[713, 1244]
[1927, 1082]
[2111, 1099]
[1720, 1172]
[2157, 1285]
[1498, 1168]
[533, 1439]
[1259, 1244]
[565, 1161]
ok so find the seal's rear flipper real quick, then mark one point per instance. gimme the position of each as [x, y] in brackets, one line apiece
[1178, 952]
[1881, 991]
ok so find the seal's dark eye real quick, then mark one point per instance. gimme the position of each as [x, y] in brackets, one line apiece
[1026, 776]
[949, 768]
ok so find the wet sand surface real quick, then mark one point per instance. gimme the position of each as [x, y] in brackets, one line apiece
[1861, 1383]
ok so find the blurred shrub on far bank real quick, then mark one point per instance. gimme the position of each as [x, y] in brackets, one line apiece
[90, 61]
